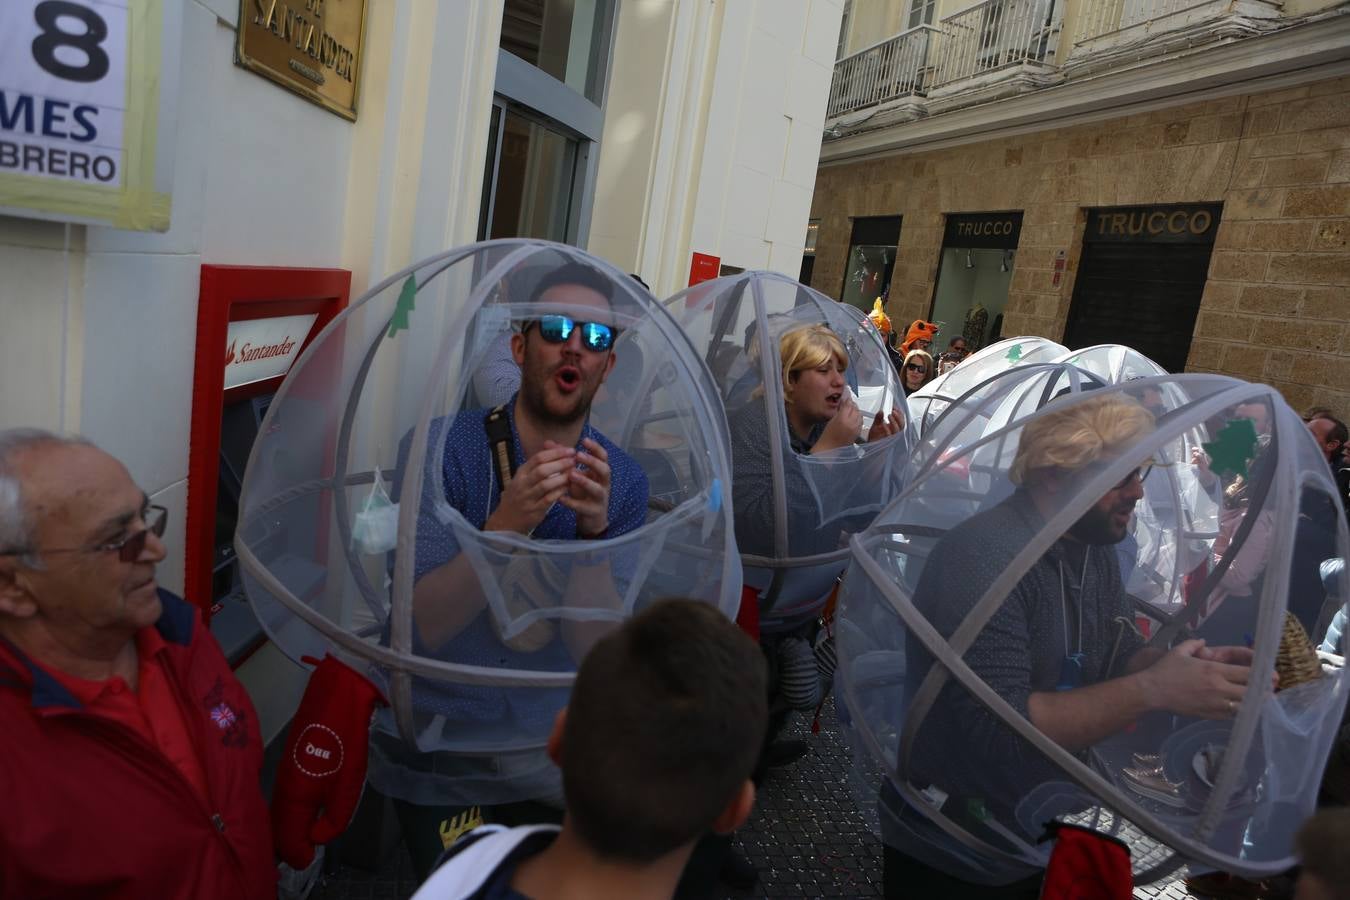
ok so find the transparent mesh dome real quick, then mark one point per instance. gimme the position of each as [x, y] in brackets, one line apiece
[1001, 665]
[796, 502]
[929, 401]
[1167, 540]
[1113, 363]
[476, 634]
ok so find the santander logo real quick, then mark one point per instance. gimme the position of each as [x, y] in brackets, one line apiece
[258, 349]
[251, 353]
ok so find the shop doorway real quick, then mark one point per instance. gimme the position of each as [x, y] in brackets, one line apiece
[1141, 279]
[871, 260]
[979, 251]
[809, 252]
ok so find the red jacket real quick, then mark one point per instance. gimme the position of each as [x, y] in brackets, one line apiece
[89, 808]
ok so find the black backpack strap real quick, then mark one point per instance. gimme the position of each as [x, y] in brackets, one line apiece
[498, 427]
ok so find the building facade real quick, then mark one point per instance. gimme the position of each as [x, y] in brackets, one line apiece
[1167, 176]
[643, 130]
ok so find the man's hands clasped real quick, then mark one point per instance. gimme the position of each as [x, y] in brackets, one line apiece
[578, 479]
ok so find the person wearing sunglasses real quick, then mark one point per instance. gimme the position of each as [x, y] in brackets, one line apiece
[536, 468]
[916, 371]
[129, 746]
[1059, 649]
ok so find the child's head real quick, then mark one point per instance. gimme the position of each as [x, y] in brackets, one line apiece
[663, 729]
[1321, 845]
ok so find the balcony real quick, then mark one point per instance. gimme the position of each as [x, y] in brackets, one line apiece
[983, 70]
[987, 50]
[895, 68]
[995, 39]
[1109, 30]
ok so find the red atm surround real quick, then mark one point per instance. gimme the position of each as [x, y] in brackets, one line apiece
[235, 294]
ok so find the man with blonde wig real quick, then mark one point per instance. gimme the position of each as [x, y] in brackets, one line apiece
[1060, 649]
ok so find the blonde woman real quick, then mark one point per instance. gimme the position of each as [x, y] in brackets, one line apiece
[820, 415]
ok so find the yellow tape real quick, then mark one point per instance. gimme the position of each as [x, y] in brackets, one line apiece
[135, 205]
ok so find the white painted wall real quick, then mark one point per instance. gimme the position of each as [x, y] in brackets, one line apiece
[712, 134]
[100, 324]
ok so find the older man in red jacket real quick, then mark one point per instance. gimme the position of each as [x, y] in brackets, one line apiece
[129, 753]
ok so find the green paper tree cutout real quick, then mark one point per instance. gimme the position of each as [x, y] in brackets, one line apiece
[404, 307]
[1014, 353]
[1234, 447]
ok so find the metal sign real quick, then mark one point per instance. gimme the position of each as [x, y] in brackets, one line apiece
[1192, 223]
[258, 349]
[991, 231]
[311, 47]
[80, 110]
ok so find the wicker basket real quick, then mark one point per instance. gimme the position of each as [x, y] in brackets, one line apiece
[1297, 662]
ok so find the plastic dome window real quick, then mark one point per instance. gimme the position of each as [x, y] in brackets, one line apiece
[462, 374]
[811, 400]
[996, 671]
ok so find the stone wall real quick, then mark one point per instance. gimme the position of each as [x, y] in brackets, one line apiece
[1276, 307]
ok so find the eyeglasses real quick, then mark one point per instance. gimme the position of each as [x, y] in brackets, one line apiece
[1140, 473]
[915, 367]
[595, 336]
[129, 548]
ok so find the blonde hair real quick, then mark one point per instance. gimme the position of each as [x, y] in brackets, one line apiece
[806, 348]
[1079, 434]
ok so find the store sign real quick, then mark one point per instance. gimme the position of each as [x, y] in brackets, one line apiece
[703, 267]
[79, 111]
[998, 230]
[312, 47]
[1195, 223]
[258, 349]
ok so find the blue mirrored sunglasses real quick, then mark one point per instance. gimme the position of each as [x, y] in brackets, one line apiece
[558, 329]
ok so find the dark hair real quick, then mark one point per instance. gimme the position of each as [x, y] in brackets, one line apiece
[664, 726]
[1318, 412]
[574, 273]
[959, 337]
[1338, 430]
[1321, 846]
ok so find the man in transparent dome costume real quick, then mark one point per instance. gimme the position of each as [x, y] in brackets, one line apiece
[534, 466]
[1056, 650]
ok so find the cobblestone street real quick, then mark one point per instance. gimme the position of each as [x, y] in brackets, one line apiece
[807, 837]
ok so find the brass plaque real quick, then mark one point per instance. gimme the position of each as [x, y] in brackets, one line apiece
[312, 47]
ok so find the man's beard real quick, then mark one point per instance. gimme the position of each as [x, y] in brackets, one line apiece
[534, 396]
[1096, 527]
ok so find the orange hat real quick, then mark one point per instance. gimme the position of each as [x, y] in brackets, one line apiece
[918, 331]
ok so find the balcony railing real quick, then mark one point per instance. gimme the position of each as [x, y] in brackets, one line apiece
[896, 67]
[993, 35]
[1130, 19]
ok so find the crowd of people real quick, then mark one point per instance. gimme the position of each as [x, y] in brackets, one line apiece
[132, 753]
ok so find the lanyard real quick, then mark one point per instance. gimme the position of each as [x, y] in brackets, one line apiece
[1064, 605]
[1071, 668]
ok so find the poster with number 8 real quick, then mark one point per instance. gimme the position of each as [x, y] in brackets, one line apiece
[81, 112]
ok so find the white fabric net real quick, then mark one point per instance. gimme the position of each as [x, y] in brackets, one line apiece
[476, 635]
[931, 400]
[1016, 633]
[1113, 363]
[795, 504]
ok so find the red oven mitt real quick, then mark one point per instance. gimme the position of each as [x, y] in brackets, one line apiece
[1086, 865]
[323, 767]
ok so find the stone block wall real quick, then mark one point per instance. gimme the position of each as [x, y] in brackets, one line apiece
[1276, 306]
